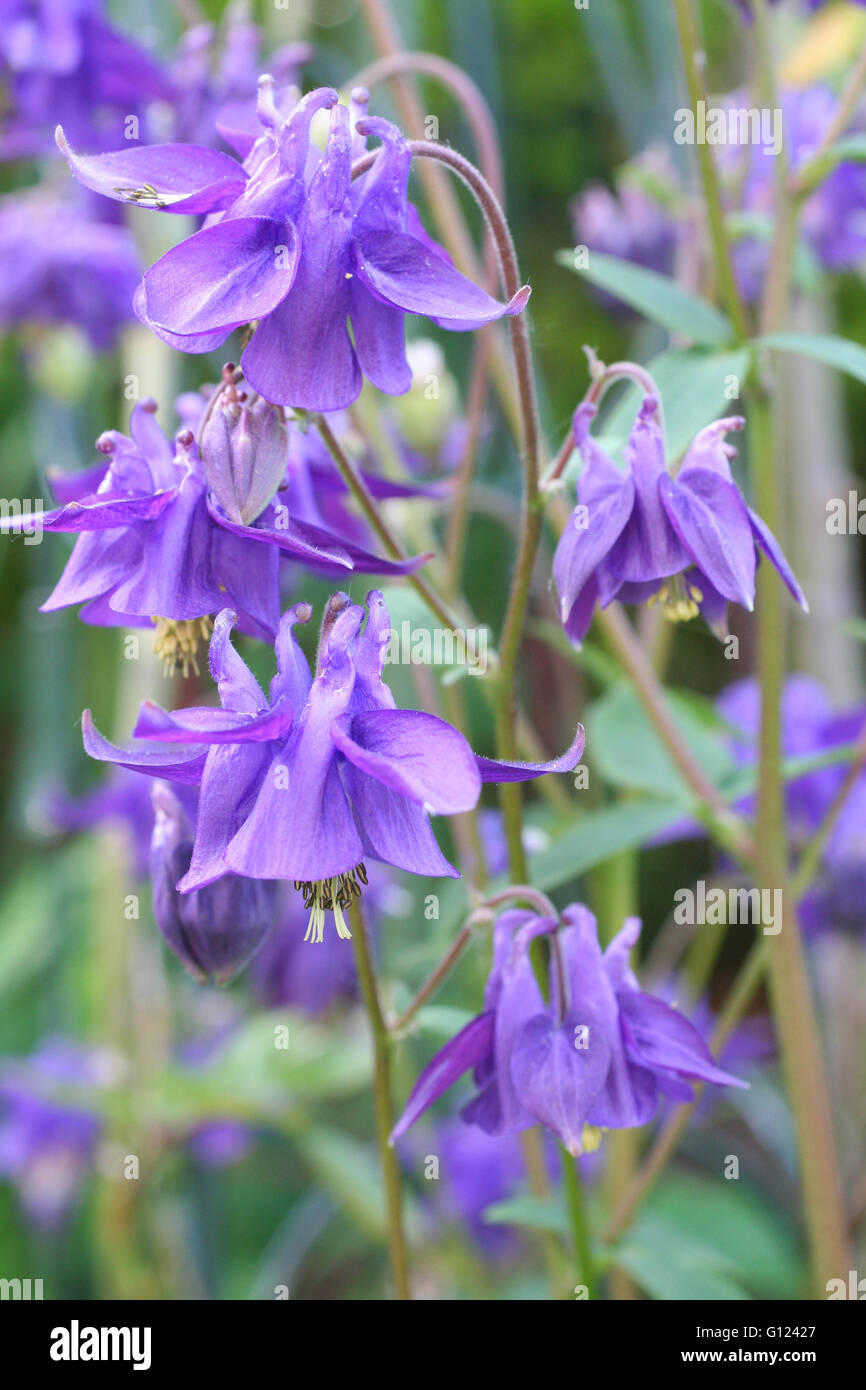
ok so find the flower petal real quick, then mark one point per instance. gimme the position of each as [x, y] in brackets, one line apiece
[404, 273]
[173, 178]
[415, 754]
[171, 763]
[773, 551]
[712, 521]
[557, 1081]
[468, 1049]
[659, 1037]
[208, 724]
[228, 274]
[494, 770]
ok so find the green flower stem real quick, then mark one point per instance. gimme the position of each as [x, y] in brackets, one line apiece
[361, 492]
[727, 827]
[578, 1221]
[382, 1097]
[688, 33]
[791, 994]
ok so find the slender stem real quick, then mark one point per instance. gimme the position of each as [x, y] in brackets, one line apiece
[434, 980]
[780, 270]
[384, 1108]
[579, 1225]
[530, 520]
[361, 492]
[444, 205]
[667, 1141]
[793, 1003]
[470, 97]
[727, 826]
[688, 33]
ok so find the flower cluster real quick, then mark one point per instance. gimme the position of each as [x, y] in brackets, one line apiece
[293, 244]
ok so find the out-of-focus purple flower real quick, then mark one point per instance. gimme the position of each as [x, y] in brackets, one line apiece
[220, 1143]
[324, 773]
[215, 73]
[62, 265]
[155, 546]
[296, 246]
[47, 1145]
[214, 930]
[810, 725]
[601, 1053]
[643, 535]
[61, 62]
[630, 223]
[123, 799]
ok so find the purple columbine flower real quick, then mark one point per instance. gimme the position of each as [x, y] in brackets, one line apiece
[293, 244]
[156, 547]
[600, 1054]
[215, 930]
[323, 774]
[85, 275]
[61, 61]
[643, 535]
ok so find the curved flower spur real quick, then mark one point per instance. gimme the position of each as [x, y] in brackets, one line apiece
[292, 244]
[156, 547]
[324, 773]
[644, 536]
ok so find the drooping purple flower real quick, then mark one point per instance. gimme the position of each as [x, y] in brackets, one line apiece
[154, 545]
[85, 275]
[62, 62]
[296, 246]
[601, 1053]
[323, 774]
[214, 930]
[47, 1143]
[688, 541]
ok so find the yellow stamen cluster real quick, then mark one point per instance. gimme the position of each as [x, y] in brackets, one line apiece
[177, 642]
[331, 895]
[679, 599]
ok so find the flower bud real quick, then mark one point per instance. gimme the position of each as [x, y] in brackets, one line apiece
[213, 930]
[244, 450]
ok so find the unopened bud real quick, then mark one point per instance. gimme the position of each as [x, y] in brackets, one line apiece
[213, 930]
[244, 450]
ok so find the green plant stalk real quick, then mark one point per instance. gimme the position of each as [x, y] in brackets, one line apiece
[578, 1222]
[383, 1104]
[688, 34]
[790, 991]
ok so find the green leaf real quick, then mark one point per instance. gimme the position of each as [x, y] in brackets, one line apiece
[654, 296]
[536, 1213]
[738, 1223]
[627, 751]
[692, 386]
[828, 348]
[600, 835]
[670, 1265]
